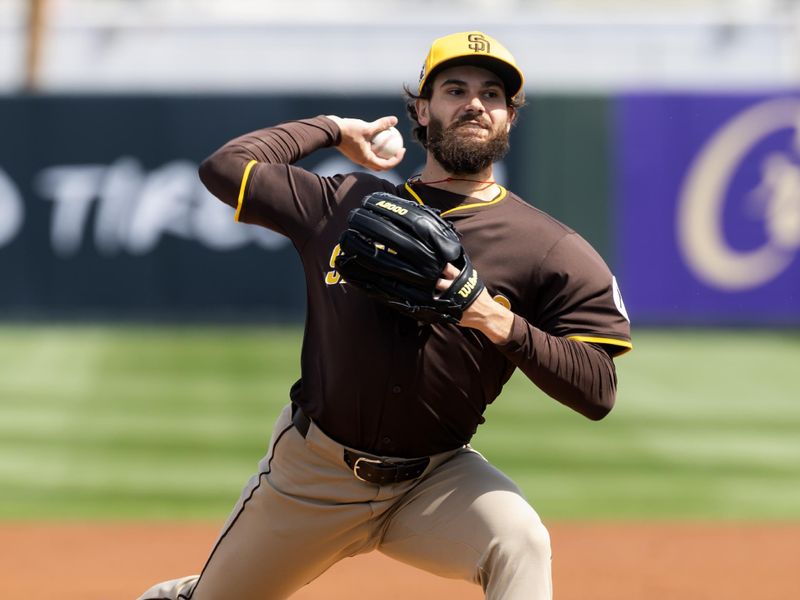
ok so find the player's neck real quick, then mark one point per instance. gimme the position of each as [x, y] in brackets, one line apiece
[478, 185]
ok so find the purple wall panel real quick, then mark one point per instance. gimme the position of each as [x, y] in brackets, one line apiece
[708, 208]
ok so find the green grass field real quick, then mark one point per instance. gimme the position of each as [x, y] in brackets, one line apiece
[169, 422]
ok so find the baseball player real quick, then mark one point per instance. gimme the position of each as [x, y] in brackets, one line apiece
[373, 451]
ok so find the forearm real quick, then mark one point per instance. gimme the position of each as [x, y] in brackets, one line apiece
[287, 143]
[579, 375]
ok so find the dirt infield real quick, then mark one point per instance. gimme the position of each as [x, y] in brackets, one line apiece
[591, 562]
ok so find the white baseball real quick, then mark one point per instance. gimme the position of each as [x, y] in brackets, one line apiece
[387, 143]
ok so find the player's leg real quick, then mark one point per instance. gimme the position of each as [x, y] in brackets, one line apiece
[467, 520]
[300, 515]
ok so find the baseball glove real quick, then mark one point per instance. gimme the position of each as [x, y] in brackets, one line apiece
[395, 250]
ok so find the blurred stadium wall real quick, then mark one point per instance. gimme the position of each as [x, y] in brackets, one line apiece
[667, 133]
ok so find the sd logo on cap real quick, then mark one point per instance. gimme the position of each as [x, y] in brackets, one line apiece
[472, 48]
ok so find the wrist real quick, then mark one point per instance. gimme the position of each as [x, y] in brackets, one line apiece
[498, 328]
[338, 121]
[495, 321]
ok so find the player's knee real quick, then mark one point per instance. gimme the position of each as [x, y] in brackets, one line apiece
[519, 564]
[519, 554]
[526, 544]
[531, 540]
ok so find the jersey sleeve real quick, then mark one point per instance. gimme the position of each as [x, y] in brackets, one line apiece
[565, 341]
[255, 174]
[578, 297]
[287, 199]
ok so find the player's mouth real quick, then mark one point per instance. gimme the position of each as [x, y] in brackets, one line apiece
[471, 128]
[469, 122]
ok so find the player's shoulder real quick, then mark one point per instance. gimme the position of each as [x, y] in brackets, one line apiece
[553, 238]
[527, 214]
[528, 224]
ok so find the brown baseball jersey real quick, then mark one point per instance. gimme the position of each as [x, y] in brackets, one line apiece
[380, 382]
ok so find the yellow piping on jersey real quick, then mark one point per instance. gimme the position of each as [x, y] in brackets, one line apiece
[414, 194]
[626, 346]
[501, 194]
[240, 201]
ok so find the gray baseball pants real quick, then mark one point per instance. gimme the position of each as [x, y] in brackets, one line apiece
[305, 510]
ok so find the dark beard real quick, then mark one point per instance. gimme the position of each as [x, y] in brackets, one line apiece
[460, 155]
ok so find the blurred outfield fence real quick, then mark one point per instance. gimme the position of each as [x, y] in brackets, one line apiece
[693, 199]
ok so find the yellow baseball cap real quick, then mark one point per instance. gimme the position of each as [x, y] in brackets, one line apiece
[473, 48]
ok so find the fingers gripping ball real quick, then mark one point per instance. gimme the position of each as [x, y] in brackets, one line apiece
[395, 250]
[387, 143]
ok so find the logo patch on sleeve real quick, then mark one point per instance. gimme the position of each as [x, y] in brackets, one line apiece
[618, 302]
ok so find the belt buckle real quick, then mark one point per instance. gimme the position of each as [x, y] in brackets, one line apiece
[358, 461]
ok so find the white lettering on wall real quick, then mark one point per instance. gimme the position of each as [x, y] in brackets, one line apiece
[124, 208]
[11, 210]
[73, 190]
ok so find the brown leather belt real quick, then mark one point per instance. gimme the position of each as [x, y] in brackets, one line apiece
[366, 467]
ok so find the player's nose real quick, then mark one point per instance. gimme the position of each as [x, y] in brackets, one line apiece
[474, 105]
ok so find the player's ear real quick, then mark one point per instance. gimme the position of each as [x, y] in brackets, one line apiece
[423, 107]
[512, 116]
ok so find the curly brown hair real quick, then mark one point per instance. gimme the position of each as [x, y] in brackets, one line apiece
[420, 132]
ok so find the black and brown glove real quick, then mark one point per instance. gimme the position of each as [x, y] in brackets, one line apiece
[395, 250]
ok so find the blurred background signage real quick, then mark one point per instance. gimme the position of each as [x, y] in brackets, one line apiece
[709, 213]
[668, 137]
